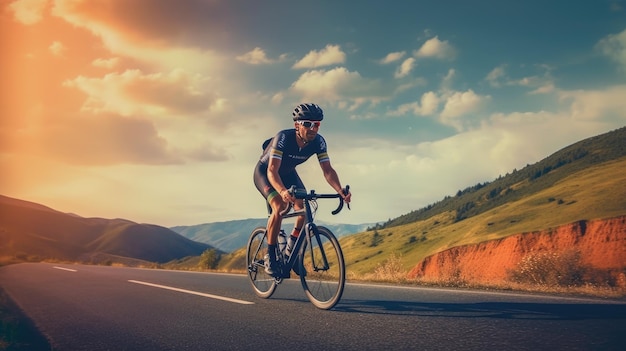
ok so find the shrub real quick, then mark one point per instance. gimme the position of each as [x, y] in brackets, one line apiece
[391, 269]
[209, 259]
[550, 269]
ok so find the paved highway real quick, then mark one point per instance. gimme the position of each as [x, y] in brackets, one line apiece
[110, 308]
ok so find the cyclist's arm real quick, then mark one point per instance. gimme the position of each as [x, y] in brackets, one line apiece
[273, 176]
[333, 179]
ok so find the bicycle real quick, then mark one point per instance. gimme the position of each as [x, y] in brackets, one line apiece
[316, 255]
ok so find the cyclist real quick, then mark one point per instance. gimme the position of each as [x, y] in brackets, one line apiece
[276, 172]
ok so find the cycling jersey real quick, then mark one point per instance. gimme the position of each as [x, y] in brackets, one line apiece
[284, 147]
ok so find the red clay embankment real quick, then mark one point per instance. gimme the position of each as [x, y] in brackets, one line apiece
[601, 243]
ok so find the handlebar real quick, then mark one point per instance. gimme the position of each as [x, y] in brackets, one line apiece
[302, 194]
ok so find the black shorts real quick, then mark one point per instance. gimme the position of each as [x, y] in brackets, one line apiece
[263, 184]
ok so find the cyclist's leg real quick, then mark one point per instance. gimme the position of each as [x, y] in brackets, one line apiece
[298, 205]
[274, 221]
[274, 201]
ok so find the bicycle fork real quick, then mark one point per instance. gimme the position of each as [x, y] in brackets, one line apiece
[312, 233]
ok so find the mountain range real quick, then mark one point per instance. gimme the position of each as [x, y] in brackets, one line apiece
[232, 235]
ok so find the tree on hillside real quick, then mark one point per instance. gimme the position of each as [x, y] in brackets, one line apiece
[209, 259]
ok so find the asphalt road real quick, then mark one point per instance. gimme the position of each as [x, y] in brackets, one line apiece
[109, 308]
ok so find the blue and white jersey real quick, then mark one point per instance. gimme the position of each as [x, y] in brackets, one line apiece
[284, 147]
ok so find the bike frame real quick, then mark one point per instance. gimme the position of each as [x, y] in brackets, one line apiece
[309, 229]
[323, 277]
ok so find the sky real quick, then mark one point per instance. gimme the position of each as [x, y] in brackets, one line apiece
[155, 110]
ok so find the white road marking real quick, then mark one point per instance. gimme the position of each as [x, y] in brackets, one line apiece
[217, 297]
[65, 269]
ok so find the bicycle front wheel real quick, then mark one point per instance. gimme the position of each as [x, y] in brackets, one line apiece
[323, 272]
[263, 284]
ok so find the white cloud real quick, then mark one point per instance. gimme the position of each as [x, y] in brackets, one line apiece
[436, 48]
[427, 106]
[459, 104]
[456, 105]
[28, 12]
[405, 68]
[608, 104]
[614, 47]
[544, 89]
[256, 56]
[134, 92]
[57, 48]
[446, 82]
[106, 63]
[335, 84]
[392, 57]
[330, 55]
[540, 83]
[496, 75]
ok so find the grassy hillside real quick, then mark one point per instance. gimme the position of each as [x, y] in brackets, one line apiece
[597, 192]
[30, 231]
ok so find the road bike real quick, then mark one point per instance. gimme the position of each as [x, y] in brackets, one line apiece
[316, 255]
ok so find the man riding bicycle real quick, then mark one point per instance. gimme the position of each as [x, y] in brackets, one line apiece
[276, 172]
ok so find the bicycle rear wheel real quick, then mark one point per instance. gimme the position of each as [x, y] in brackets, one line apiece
[263, 284]
[323, 272]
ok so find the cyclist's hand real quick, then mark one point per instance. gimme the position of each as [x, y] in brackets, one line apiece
[287, 196]
[347, 195]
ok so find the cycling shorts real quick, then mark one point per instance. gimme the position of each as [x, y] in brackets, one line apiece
[266, 189]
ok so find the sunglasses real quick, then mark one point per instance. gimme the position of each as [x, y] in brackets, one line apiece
[310, 124]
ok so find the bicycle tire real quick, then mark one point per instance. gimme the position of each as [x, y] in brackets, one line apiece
[323, 286]
[262, 283]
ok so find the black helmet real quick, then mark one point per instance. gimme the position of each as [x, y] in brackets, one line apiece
[310, 112]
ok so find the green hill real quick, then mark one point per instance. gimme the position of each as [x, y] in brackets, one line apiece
[29, 231]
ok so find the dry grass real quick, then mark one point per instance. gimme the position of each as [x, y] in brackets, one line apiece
[553, 273]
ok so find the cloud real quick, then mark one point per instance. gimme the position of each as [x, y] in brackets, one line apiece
[57, 48]
[496, 75]
[257, 57]
[614, 47]
[106, 63]
[28, 12]
[435, 48]
[405, 68]
[456, 105]
[607, 104]
[160, 35]
[459, 104]
[539, 83]
[106, 139]
[335, 84]
[134, 92]
[427, 106]
[330, 55]
[392, 57]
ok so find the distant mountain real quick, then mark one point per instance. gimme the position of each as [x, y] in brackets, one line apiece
[232, 235]
[34, 232]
